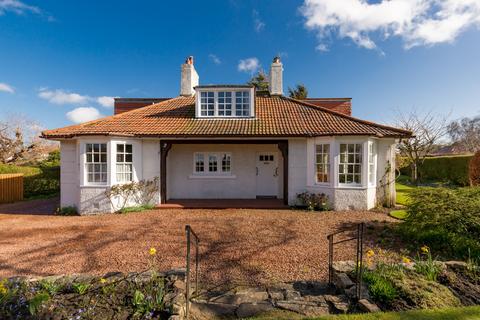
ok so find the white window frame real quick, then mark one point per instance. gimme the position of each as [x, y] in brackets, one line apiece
[361, 164]
[328, 163]
[206, 163]
[124, 163]
[87, 163]
[372, 163]
[233, 90]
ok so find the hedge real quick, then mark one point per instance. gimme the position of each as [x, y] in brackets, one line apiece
[37, 181]
[446, 169]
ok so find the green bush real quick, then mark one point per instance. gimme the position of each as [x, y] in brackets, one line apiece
[41, 180]
[448, 169]
[379, 287]
[67, 211]
[447, 220]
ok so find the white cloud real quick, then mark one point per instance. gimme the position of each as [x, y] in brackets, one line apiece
[62, 97]
[215, 59]
[83, 114]
[322, 47]
[248, 65]
[17, 7]
[6, 88]
[258, 24]
[416, 22]
[106, 101]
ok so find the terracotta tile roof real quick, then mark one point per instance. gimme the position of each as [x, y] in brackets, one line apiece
[276, 116]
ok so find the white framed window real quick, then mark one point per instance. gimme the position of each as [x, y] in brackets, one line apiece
[96, 163]
[322, 163]
[225, 103]
[372, 157]
[207, 103]
[242, 103]
[350, 164]
[124, 162]
[219, 102]
[226, 162]
[212, 163]
[199, 163]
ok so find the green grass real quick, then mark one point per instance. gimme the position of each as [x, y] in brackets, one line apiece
[137, 208]
[399, 214]
[403, 192]
[464, 313]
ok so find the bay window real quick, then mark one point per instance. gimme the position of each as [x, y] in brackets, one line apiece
[96, 163]
[350, 164]
[124, 162]
[322, 163]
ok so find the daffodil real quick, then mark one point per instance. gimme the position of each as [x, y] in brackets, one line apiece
[425, 249]
[406, 260]
[103, 280]
[3, 289]
[152, 251]
[370, 253]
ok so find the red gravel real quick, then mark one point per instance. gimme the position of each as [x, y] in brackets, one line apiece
[236, 245]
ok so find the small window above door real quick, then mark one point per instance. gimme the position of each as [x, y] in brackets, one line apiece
[266, 158]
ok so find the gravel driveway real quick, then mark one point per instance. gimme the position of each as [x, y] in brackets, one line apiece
[236, 245]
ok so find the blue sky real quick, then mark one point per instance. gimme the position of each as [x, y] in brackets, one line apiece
[57, 56]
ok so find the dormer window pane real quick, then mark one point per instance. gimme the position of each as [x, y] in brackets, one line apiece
[242, 105]
[224, 103]
[207, 104]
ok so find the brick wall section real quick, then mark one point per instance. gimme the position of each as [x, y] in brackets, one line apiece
[127, 104]
[341, 105]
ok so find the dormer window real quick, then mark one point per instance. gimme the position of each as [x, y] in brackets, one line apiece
[224, 101]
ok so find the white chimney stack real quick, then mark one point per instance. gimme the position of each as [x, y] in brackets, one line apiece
[189, 78]
[276, 77]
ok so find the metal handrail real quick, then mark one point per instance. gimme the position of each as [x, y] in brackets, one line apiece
[189, 233]
[359, 257]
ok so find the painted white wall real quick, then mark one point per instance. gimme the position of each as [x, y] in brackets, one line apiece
[69, 174]
[241, 184]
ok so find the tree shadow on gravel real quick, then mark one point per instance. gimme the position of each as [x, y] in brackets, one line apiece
[82, 244]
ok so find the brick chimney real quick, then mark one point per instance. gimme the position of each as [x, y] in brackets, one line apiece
[276, 77]
[189, 78]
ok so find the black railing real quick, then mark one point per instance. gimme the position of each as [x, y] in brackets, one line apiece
[359, 256]
[191, 234]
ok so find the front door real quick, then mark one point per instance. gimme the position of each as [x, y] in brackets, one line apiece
[267, 175]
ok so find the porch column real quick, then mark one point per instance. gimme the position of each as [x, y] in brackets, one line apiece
[283, 146]
[164, 149]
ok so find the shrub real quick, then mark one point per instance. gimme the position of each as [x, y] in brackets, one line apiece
[380, 285]
[474, 170]
[447, 220]
[313, 201]
[137, 208]
[67, 211]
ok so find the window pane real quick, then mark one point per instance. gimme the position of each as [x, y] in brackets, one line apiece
[120, 147]
[96, 147]
[103, 157]
[96, 157]
[350, 168]
[128, 158]
[89, 147]
[119, 157]
[89, 157]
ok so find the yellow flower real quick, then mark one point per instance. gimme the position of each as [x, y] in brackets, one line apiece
[406, 260]
[3, 289]
[370, 253]
[152, 251]
[103, 280]
[424, 249]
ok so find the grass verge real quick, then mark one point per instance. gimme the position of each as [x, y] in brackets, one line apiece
[399, 214]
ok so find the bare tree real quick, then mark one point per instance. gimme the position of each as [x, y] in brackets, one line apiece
[466, 133]
[19, 139]
[428, 129]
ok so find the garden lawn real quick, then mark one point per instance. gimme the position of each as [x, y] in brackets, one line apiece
[403, 191]
[236, 245]
[465, 313]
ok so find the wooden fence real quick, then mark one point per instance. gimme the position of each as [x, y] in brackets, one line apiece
[11, 187]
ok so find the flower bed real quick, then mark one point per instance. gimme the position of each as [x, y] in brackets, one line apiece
[149, 294]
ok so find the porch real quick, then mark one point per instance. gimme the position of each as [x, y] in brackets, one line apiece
[224, 173]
